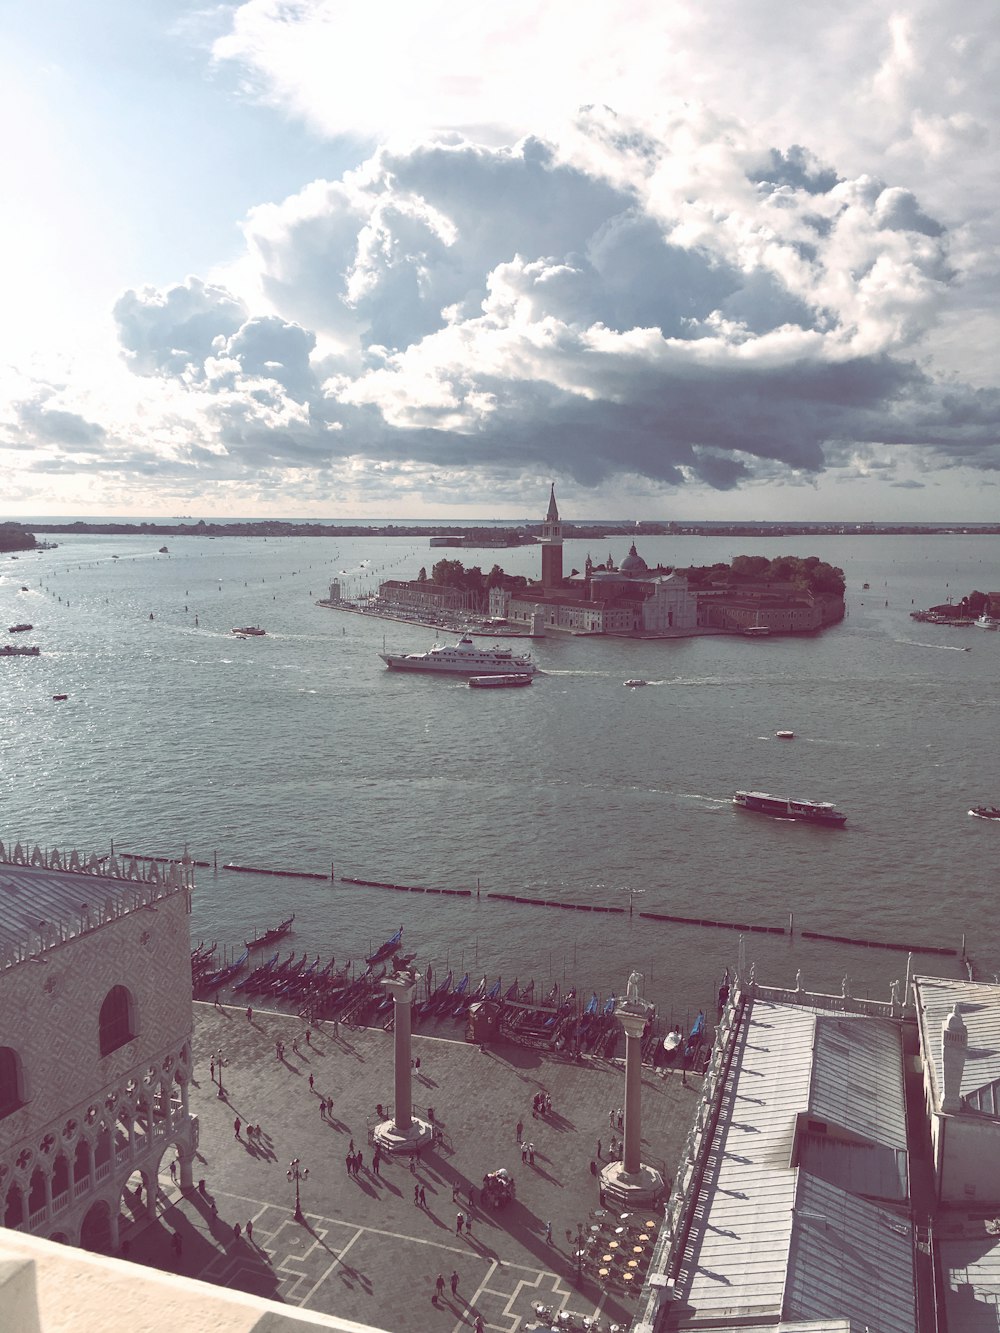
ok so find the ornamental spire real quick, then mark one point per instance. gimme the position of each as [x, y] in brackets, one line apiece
[553, 515]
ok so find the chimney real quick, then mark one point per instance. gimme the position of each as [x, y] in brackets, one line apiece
[954, 1048]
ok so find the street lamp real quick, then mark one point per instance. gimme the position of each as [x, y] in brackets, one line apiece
[219, 1062]
[297, 1172]
[579, 1252]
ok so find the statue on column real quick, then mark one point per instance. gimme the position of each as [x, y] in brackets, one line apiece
[632, 990]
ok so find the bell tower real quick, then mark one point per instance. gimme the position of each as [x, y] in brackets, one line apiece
[552, 552]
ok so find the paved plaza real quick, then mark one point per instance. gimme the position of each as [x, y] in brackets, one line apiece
[366, 1250]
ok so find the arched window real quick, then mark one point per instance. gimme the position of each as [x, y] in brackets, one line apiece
[11, 1087]
[117, 1022]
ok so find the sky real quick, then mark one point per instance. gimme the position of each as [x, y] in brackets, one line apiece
[382, 259]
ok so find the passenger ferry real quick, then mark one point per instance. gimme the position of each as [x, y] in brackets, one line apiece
[781, 807]
[464, 659]
[988, 622]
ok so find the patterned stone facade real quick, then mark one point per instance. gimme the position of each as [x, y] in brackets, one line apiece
[111, 974]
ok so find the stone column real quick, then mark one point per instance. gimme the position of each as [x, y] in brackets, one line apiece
[633, 1025]
[405, 1132]
[402, 1000]
[630, 1182]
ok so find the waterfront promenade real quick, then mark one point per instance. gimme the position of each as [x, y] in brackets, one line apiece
[366, 1251]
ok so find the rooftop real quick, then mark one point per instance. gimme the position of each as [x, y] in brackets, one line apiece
[49, 897]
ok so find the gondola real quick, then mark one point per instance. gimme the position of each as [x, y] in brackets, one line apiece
[269, 936]
[384, 950]
[249, 982]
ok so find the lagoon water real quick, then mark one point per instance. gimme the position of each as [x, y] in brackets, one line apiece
[300, 750]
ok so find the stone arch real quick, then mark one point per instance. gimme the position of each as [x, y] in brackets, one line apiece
[60, 1174]
[81, 1161]
[136, 1200]
[117, 1022]
[11, 1081]
[95, 1233]
[60, 1238]
[14, 1214]
[36, 1191]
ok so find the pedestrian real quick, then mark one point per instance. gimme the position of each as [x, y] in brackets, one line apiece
[454, 1193]
[621, 1118]
[349, 1159]
[531, 1154]
[548, 1233]
[237, 1231]
[416, 1153]
[598, 1149]
[211, 1068]
[416, 1196]
[413, 1166]
[454, 1283]
[376, 1161]
[472, 1196]
[295, 1045]
[519, 1131]
[359, 1161]
[593, 1167]
[416, 1064]
[249, 1013]
[250, 1231]
[459, 1224]
[177, 1243]
[438, 1288]
[468, 1224]
[423, 1197]
[524, 1151]
[350, 1146]
[322, 1108]
[308, 1037]
[312, 1082]
[173, 1172]
[201, 1187]
[237, 1124]
[611, 1120]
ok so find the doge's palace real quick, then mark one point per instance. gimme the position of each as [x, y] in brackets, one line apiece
[95, 1040]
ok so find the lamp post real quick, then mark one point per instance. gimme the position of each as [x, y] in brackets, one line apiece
[579, 1252]
[297, 1172]
[219, 1062]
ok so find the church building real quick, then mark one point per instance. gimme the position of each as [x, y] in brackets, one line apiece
[607, 599]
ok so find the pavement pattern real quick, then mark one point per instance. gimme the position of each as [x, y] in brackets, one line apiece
[366, 1250]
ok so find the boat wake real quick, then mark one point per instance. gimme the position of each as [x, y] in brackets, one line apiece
[941, 647]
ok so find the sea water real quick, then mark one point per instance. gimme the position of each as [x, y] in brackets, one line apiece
[300, 750]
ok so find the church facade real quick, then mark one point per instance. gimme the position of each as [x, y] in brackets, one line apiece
[95, 1040]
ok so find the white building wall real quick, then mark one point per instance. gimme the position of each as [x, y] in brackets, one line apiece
[672, 606]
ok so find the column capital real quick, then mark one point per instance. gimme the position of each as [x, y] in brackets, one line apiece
[402, 985]
[633, 1016]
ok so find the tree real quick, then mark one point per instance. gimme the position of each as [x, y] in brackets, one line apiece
[422, 576]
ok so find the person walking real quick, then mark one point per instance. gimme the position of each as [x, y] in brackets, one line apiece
[177, 1243]
[359, 1162]
[519, 1131]
[454, 1283]
[376, 1161]
[438, 1289]
[531, 1154]
[237, 1231]
[211, 1068]
[423, 1197]
[173, 1172]
[250, 1231]
[548, 1233]
[416, 1196]
[598, 1149]
[459, 1224]
[524, 1150]
[249, 1013]
[312, 1082]
[454, 1193]
[322, 1109]
[237, 1125]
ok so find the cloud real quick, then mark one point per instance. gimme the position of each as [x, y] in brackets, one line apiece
[683, 302]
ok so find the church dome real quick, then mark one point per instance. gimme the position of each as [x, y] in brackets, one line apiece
[633, 562]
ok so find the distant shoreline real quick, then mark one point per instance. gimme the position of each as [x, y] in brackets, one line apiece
[516, 534]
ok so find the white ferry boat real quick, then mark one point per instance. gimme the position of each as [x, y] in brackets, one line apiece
[464, 659]
[988, 622]
[781, 807]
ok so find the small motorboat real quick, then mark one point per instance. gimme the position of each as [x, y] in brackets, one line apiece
[985, 812]
[19, 629]
[634, 684]
[59, 698]
[785, 735]
[249, 631]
